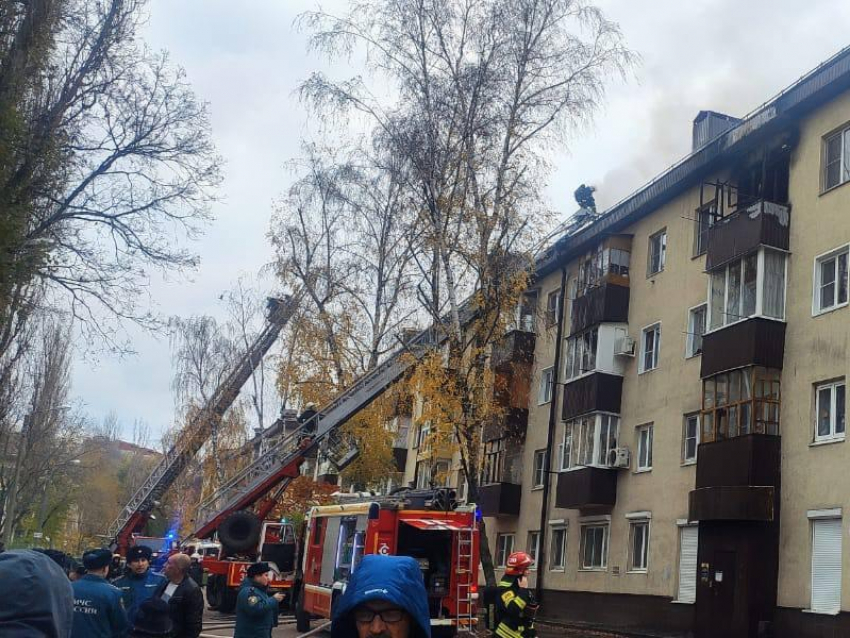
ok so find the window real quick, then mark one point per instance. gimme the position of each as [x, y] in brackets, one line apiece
[558, 552]
[423, 475]
[826, 565]
[553, 306]
[831, 281]
[595, 267]
[706, 216]
[581, 353]
[533, 547]
[494, 460]
[423, 435]
[638, 545]
[836, 160]
[690, 438]
[594, 546]
[589, 440]
[539, 468]
[657, 252]
[547, 382]
[688, 545]
[740, 402]
[751, 286]
[620, 261]
[644, 447]
[440, 474]
[830, 411]
[504, 548]
[696, 329]
[650, 347]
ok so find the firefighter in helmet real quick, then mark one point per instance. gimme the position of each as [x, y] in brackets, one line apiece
[516, 606]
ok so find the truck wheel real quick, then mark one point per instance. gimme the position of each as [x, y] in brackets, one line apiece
[214, 591]
[240, 531]
[302, 618]
[228, 599]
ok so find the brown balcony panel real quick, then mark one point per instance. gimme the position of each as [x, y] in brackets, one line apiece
[754, 341]
[400, 456]
[608, 302]
[512, 424]
[751, 460]
[499, 499]
[762, 224]
[516, 347]
[586, 487]
[732, 503]
[595, 392]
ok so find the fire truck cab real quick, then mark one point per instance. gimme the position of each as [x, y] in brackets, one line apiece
[426, 525]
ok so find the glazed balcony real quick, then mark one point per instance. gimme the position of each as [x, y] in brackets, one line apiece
[737, 479]
[500, 491]
[587, 488]
[608, 302]
[763, 223]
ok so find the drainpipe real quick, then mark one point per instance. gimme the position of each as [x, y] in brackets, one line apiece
[550, 439]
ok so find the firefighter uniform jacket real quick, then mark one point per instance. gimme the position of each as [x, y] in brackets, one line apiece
[256, 611]
[137, 589]
[515, 610]
[98, 610]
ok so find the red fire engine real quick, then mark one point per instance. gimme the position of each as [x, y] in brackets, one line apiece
[426, 525]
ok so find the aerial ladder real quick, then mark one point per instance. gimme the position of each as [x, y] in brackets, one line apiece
[190, 440]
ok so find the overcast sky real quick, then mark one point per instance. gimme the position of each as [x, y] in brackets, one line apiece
[246, 60]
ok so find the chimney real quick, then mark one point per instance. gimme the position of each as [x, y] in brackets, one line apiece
[710, 124]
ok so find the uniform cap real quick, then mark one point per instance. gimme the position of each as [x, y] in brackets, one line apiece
[139, 552]
[258, 568]
[97, 558]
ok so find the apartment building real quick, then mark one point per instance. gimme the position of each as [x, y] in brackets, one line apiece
[680, 465]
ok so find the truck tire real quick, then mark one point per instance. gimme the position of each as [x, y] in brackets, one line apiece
[214, 585]
[240, 532]
[302, 618]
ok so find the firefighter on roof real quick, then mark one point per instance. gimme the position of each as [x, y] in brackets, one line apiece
[516, 605]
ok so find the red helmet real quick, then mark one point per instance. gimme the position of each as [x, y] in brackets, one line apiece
[518, 564]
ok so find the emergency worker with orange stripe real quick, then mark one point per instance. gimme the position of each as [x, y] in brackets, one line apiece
[516, 605]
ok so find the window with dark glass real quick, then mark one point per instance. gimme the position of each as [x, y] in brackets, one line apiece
[836, 160]
[657, 252]
[830, 411]
[690, 438]
[740, 402]
[553, 307]
[594, 546]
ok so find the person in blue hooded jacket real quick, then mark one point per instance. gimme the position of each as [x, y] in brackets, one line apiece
[36, 600]
[140, 581]
[385, 598]
[98, 609]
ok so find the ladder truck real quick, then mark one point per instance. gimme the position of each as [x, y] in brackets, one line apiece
[236, 513]
[137, 511]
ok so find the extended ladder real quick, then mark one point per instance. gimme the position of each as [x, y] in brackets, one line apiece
[199, 429]
[465, 584]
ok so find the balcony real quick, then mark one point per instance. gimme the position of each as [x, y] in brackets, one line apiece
[605, 303]
[516, 347]
[512, 424]
[754, 341]
[762, 224]
[737, 479]
[596, 392]
[499, 499]
[587, 487]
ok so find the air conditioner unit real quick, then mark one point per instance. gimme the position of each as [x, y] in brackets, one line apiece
[624, 347]
[619, 457]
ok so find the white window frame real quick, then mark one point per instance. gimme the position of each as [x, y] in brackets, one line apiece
[553, 532]
[639, 520]
[650, 428]
[552, 314]
[538, 472]
[502, 552]
[533, 549]
[662, 247]
[821, 516]
[605, 526]
[601, 449]
[691, 416]
[817, 283]
[547, 385]
[709, 211]
[843, 158]
[693, 335]
[833, 435]
[656, 329]
[729, 319]
[577, 353]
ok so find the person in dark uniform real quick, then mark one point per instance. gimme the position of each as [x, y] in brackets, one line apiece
[256, 611]
[98, 611]
[116, 570]
[516, 604]
[140, 582]
[308, 422]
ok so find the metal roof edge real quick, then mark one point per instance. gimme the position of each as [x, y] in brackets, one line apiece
[790, 103]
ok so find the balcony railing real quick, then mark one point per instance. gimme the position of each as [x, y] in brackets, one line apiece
[587, 487]
[516, 347]
[605, 303]
[754, 341]
[763, 223]
[596, 392]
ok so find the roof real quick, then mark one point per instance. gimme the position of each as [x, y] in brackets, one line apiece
[812, 90]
